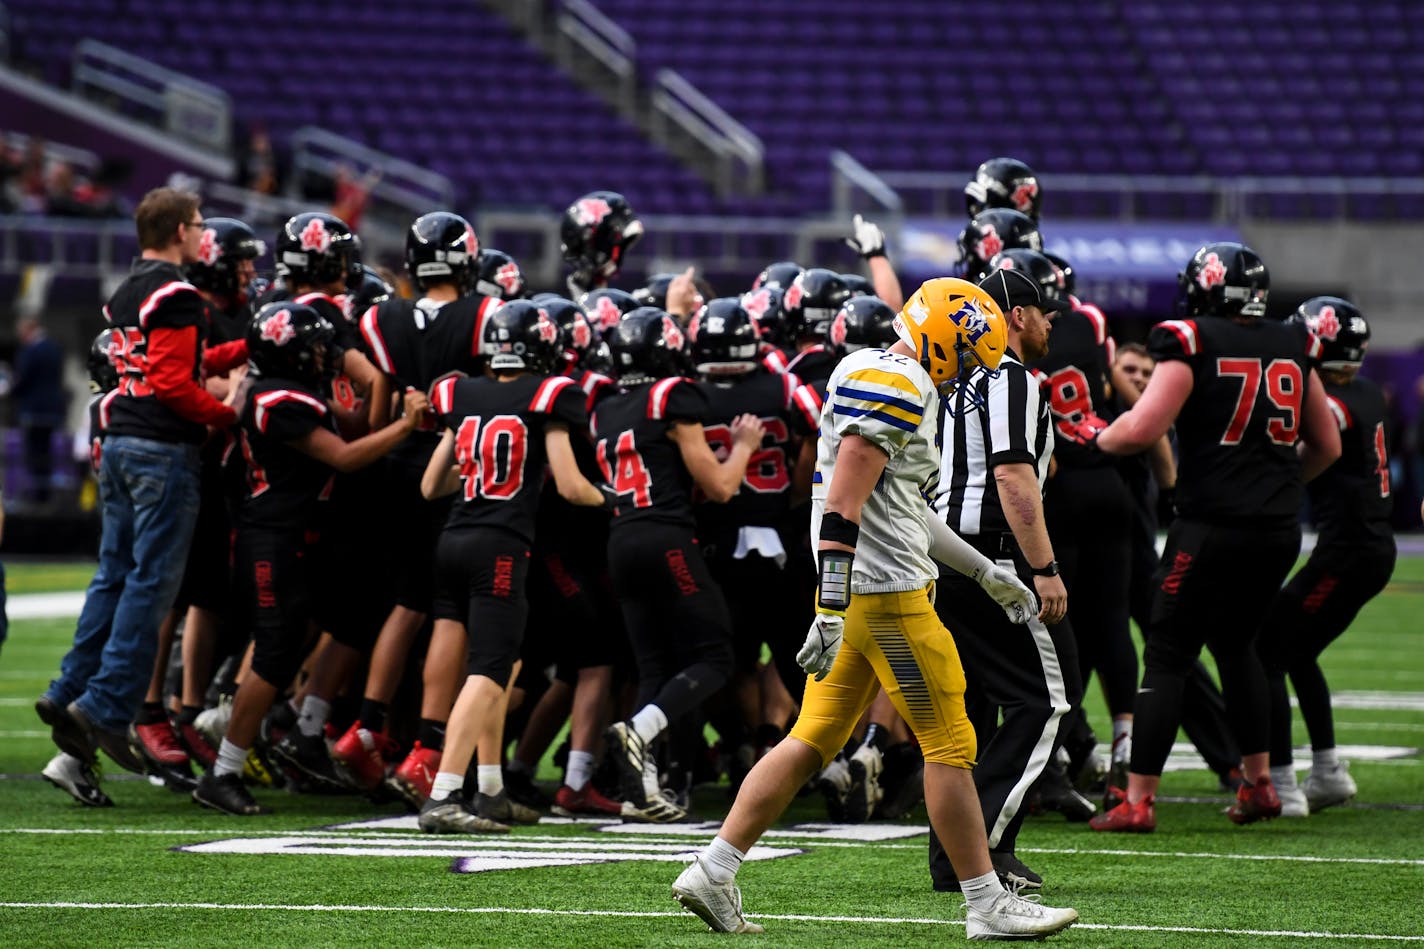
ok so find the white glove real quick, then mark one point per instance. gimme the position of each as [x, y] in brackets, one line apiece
[823, 641]
[866, 238]
[1019, 602]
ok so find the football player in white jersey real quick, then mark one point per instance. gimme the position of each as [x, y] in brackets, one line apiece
[875, 623]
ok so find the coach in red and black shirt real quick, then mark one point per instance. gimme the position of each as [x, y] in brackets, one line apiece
[148, 481]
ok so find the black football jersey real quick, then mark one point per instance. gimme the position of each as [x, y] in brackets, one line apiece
[638, 460]
[1350, 501]
[594, 384]
[1237, 432]
[499, 444]
[815, 364]
[153, 296]
[229, 325]
[764, 496]
[98, 421]
[806, 403]
[416, 342]
[1075, 374]
[283, 483]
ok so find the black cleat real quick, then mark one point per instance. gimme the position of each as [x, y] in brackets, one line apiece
[521, 789]
[1013, 873]
[308, 756]
[1054, 793]
[227, 794]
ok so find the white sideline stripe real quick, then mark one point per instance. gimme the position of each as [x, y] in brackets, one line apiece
[813, 842]
[44, 605]
[635, 914]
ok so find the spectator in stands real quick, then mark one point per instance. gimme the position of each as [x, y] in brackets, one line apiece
[39, 402]
[33, 188]
[259, 163]
[353, 193]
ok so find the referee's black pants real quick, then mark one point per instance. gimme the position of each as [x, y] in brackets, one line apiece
[1030, 674]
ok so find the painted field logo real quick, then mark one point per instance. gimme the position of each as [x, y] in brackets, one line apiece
[472, 855]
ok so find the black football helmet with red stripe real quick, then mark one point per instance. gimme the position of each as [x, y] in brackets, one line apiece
[812, 302]
[723, 339]
[1225, 279]
[655, 293]
[315, 249]
[103, 376]
[604, 308]
[778, 276]
[293, 341]
[988, 234]
[441, 247]
[764, 304]
[226, 241]
[1004, 183]
[1070, 279]
[865, 322]
[1037, 267]
[578, 336]
[859, 285]
[647, 344]
[522, 336]
[498, 275]
[1342, 329]
[596, 233]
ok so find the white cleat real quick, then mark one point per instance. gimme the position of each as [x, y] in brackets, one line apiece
[865, 792]
[719, 905]
[1327, 788]
[1293, 801]
[834, 784]
[1018, 917]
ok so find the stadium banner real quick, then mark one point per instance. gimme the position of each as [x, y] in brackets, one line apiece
[1127, 268]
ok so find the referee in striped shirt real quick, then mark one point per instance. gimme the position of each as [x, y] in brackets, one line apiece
[992, 469]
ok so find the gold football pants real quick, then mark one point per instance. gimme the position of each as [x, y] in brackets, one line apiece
[897, 641]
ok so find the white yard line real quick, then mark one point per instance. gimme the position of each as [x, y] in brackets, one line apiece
[780, 838]
[631, 914]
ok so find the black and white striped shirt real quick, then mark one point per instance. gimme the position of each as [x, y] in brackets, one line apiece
[1014, 427]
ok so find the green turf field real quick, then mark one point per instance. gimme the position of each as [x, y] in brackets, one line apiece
[75, 876]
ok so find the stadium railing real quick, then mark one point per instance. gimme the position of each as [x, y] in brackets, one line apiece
[193, 111]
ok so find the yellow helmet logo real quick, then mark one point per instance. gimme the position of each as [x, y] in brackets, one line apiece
[954, 327]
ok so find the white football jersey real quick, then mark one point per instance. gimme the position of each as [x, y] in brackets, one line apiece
[890, 401]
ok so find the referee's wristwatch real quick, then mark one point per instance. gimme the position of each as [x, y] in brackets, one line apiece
[1050, 570]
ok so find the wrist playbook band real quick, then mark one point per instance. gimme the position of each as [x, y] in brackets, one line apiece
[833, 591]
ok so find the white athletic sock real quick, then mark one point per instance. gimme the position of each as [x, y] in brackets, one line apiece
[491, 779]
[649, 722]
[580, 769]
[722, 861]
[1283, 776]
[1324, 759]
[230, 759]
[446, 782]
[315, 712]
[982, 892]
[1122, 732]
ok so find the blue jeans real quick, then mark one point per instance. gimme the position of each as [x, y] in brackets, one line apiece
[148, 496]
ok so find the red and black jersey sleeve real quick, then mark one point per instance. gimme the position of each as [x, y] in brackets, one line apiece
[560, 398]
[287, 414]
[175, 306]
[677, 400]
[1175, 339]
[806, 404]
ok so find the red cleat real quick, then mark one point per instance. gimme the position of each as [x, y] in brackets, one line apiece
[1140, 818]
[571, 803]
[1255, 802]
[197, 745]
[416, 774]
[159, 744]
[361, 752]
